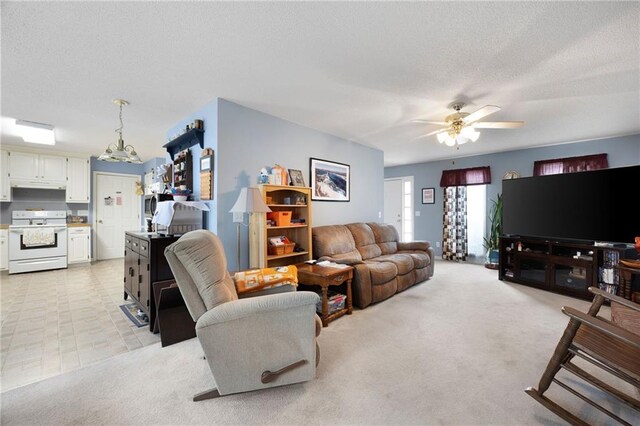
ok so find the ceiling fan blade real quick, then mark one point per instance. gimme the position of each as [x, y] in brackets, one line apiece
[429, 134]
[482, 112]
[498, 124]
[436, 131]
[437, 123]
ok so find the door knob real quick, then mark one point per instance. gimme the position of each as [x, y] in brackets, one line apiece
[100, 221]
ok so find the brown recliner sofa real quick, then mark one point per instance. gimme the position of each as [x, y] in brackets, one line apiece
[383, 265]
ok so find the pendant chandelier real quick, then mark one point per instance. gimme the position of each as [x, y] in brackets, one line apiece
[119, 152]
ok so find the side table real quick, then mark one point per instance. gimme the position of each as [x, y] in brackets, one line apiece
[324, 277]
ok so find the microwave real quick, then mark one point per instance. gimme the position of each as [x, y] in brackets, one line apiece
[151, 202]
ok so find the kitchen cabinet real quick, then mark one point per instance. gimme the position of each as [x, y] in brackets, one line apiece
[145, 265]
[4, 249]
[77, 180]
[31, 166]
[78, 244]
[5, 188]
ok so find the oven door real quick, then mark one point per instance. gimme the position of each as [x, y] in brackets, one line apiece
[19, 251]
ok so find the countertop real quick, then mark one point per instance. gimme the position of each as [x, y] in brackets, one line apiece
[3, 226]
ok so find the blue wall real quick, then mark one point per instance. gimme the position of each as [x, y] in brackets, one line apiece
[622, 151]
[208, 114]
[246, 140]
[249, 140]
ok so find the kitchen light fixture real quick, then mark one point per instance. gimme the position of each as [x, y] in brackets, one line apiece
[249, 201]
[120, 152]
[33, 132]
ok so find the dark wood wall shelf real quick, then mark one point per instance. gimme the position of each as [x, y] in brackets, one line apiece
[183, 170]
[566, 267]
[184, 141]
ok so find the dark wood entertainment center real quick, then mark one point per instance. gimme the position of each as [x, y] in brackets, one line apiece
[567, 267]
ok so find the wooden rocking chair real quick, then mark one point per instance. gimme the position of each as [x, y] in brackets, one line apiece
[601, 342]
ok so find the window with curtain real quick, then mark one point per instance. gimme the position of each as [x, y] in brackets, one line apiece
[465, 177]
[558, 166]
[455, 242]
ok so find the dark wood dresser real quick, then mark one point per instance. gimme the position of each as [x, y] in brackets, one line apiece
[144, 266]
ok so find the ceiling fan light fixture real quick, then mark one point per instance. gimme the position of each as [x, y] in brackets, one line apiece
[442, 137]
[450, 141]
[470, 133]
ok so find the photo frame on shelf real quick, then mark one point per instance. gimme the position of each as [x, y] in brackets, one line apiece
[428, 195]
[330, 181]
[296, 178]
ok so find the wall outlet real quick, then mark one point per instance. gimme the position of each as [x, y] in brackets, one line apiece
[417, 213]
[437, 243]
[238, 217]
[379, 215]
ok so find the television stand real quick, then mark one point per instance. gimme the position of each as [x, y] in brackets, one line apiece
[567, 267]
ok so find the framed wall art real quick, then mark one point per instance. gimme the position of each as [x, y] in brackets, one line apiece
[428, 195]
[330, 181]
[296, 178]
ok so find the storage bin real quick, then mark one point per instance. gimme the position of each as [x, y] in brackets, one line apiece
[281, 249]
[280, 218]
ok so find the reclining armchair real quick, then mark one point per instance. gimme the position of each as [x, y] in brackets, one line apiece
[251, 343]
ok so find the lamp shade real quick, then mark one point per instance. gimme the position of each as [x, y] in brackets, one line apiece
[249, 201]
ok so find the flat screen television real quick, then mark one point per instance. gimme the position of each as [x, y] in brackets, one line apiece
[587, 206]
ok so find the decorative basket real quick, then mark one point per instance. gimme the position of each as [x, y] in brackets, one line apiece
[280, 249]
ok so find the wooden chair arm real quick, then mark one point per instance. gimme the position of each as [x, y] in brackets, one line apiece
[612, 297]
[603, 326]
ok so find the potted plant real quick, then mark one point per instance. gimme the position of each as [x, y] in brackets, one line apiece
[491, 242]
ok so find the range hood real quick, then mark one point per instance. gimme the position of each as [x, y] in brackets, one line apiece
[41, 184]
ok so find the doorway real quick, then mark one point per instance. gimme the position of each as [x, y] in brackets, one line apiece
[398, 205]
[116, 210]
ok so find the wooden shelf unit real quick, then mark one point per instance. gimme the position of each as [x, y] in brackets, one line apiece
[552, 265]
[183, 170]
[259, 232]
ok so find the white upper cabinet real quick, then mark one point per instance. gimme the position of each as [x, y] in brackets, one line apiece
[23, 165]
[30, 166]
[52, 168]
[77, 180]
[5, 188]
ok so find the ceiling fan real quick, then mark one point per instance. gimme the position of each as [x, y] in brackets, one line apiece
[460, 127]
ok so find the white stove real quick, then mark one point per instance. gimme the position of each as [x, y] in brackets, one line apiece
[37, 240]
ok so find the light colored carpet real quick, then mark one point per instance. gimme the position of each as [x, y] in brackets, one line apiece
[457, 349]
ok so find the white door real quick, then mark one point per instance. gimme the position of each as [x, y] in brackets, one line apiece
[53, 168]
[77, 180]
[23, 165]
[117, 210]
[393, 203]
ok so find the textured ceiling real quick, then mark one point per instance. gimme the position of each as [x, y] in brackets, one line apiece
[361, 71]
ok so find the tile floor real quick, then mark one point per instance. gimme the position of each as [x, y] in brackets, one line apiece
[56, 321]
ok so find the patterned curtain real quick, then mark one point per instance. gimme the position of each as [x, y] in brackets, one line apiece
[454, 239]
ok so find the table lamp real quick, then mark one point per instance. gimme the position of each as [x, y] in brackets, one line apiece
[249, 201]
